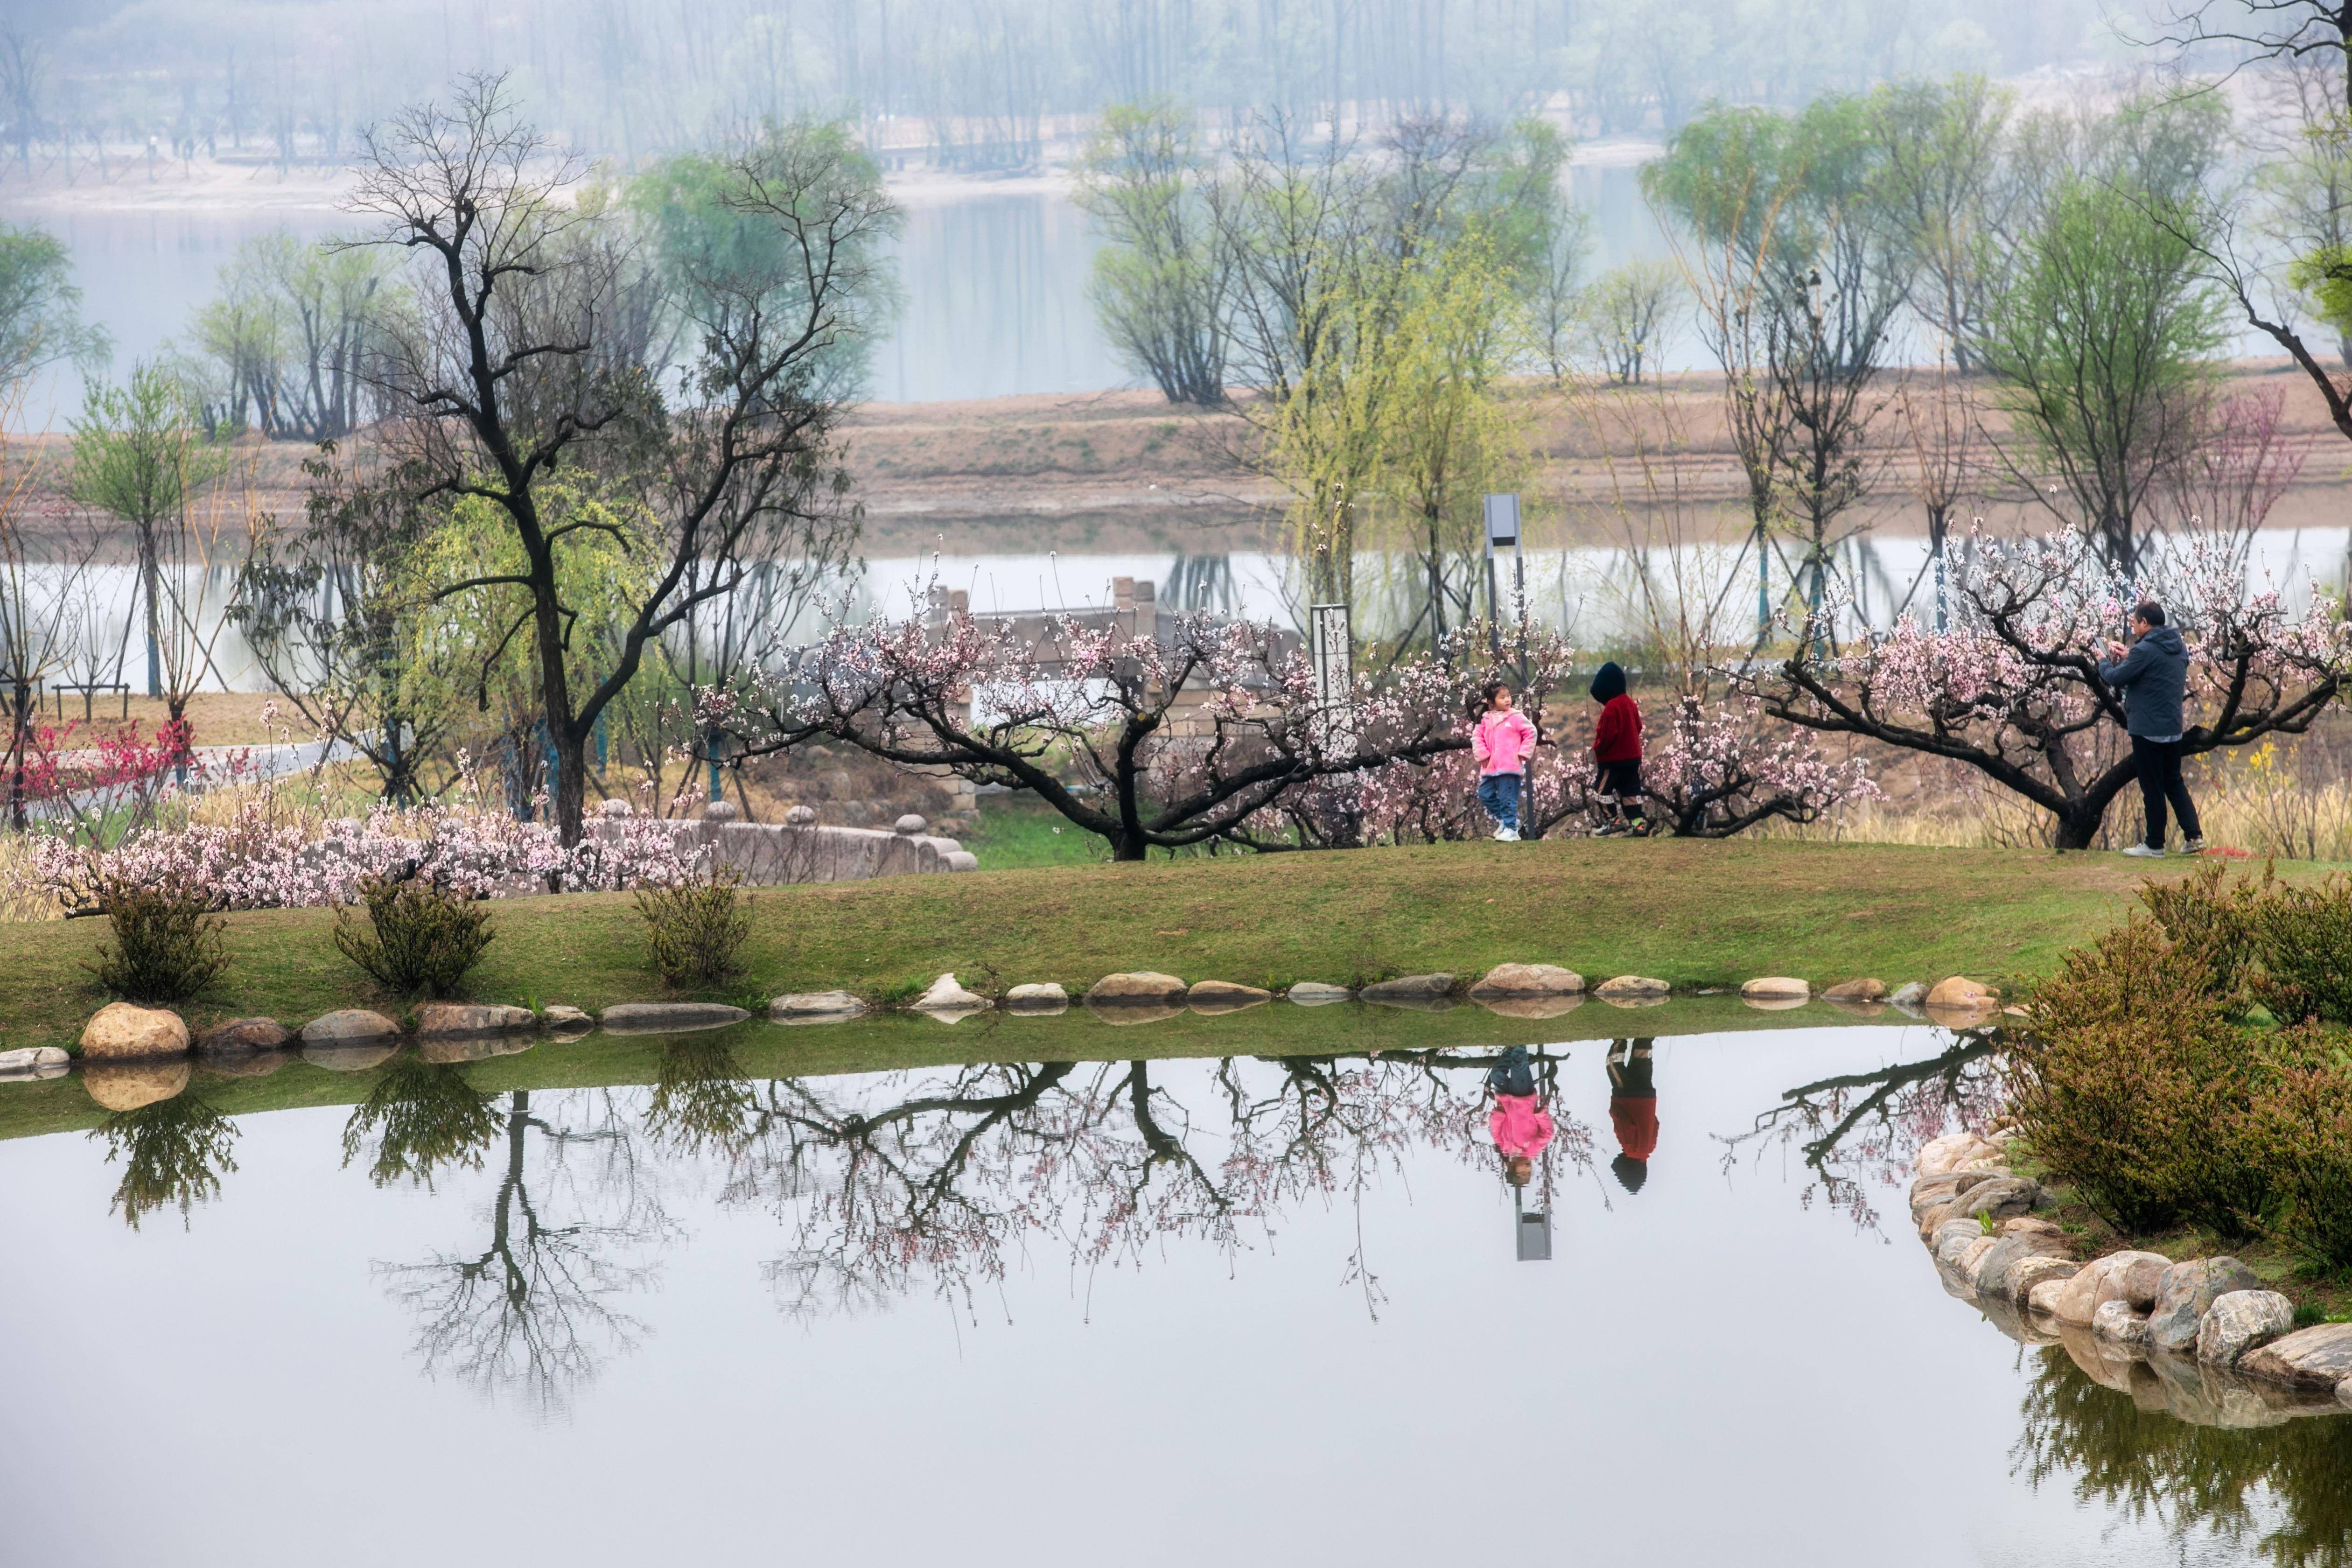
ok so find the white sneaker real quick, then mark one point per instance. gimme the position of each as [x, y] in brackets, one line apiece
[2192, 846]
[1507, 835]
[2144, 852]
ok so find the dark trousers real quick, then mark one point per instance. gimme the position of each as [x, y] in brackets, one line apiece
[2159, 781]
[1622, 779]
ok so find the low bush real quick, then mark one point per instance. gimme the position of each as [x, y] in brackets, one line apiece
[2133, 1083]
[422, 937]
[2303, 940]
[2301, 1124]
[2150, 1085]
[168, 944]
[697, 928]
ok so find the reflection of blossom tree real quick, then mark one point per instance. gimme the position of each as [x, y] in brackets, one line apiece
[1860, 1130]
[534, 1307]
[423, 1116]
[174, 1151]
[2286, 1491]
[944, 1182]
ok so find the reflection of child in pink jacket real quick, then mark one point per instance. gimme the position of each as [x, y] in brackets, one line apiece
[1522, 1129]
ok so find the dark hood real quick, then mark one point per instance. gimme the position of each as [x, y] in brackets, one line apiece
[1630, 1173]
[1609, 682]
[2167, 641]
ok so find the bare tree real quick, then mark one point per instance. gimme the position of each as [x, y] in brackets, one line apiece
[521, 364]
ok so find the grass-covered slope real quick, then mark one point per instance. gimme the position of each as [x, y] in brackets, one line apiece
[1690, 912]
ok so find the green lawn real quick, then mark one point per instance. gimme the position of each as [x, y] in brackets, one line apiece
[1691, 912]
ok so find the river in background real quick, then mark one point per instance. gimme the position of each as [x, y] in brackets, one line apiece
[1592, 596]
[993, 285]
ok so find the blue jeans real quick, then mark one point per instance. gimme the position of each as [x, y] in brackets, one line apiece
[1499, 793]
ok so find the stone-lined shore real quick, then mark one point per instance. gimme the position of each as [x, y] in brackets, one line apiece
[132, 1056]
[2203, 1338]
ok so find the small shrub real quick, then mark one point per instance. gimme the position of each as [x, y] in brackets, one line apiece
[697, 928]
[2133, 1085]
[422, 937]
[2303, 937]
[2301, 1126]
[168, 945]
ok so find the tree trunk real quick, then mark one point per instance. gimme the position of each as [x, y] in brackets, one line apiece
[2078, 826]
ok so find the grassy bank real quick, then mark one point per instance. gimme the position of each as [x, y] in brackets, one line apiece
[1693, 913]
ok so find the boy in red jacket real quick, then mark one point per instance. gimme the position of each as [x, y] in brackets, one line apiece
[1617, 753]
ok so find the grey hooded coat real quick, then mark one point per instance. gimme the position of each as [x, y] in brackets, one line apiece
[2154, 679]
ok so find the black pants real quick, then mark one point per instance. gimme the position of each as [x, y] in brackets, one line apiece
[2159, 781]
[1622, 779]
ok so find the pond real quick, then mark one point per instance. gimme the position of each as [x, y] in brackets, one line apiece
[1041, 1290]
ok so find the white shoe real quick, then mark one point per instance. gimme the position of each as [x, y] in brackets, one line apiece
[2144, 852]
[2192, 846]
[1507, 835]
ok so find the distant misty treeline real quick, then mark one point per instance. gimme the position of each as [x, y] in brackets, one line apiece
[964, 83]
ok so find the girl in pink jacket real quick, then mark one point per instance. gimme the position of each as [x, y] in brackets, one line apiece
[1501, 741]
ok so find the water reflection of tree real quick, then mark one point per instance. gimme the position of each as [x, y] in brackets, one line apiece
[174, 1153]
[423, 1116]
[534, 1307]
[1857, 1130]
[2284, 1492]
[946, 1179]
[702, 1100]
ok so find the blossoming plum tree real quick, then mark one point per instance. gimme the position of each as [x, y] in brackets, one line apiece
[2012, 689]
[1162, 740]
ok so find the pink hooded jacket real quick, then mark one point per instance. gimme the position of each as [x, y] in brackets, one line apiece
[1519, 1125]
[1502, 742]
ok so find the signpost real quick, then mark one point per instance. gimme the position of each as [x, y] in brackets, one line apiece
[1331, 650]
[1502, 533]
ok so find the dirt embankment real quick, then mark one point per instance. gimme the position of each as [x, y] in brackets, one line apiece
[1121, 471]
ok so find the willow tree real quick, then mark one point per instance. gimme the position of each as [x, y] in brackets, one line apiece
[1160, 281]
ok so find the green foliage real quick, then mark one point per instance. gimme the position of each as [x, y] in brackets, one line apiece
[2132, 1086]
[2302, 937]
[2143, 1087]
[288, 344]
[1160, 281]
[167, 945]
[2279, 1495]
[174, 1153]
[137, 453]
[40, 307]
[716, 254]
[425, 1117]
[422, 939]
[702, 1099]
[2301, 1129]
[2105, 327]
[696, 931]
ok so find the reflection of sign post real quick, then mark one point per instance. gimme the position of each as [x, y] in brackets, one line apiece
[1331, 650]
[1534, 1227]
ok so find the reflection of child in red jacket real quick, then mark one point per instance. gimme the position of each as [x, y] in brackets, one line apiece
[1520, 1125]
[1632, 1111]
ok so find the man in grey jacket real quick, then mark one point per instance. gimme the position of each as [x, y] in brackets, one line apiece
[2153, 676]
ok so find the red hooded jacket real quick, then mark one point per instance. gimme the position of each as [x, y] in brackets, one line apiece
[1617, 738]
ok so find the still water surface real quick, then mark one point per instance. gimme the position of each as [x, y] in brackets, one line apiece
[1156, 1311]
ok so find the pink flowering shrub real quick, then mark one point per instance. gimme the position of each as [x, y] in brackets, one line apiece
[261, 861]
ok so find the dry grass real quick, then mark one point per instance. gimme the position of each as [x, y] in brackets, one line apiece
[2268, 802]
